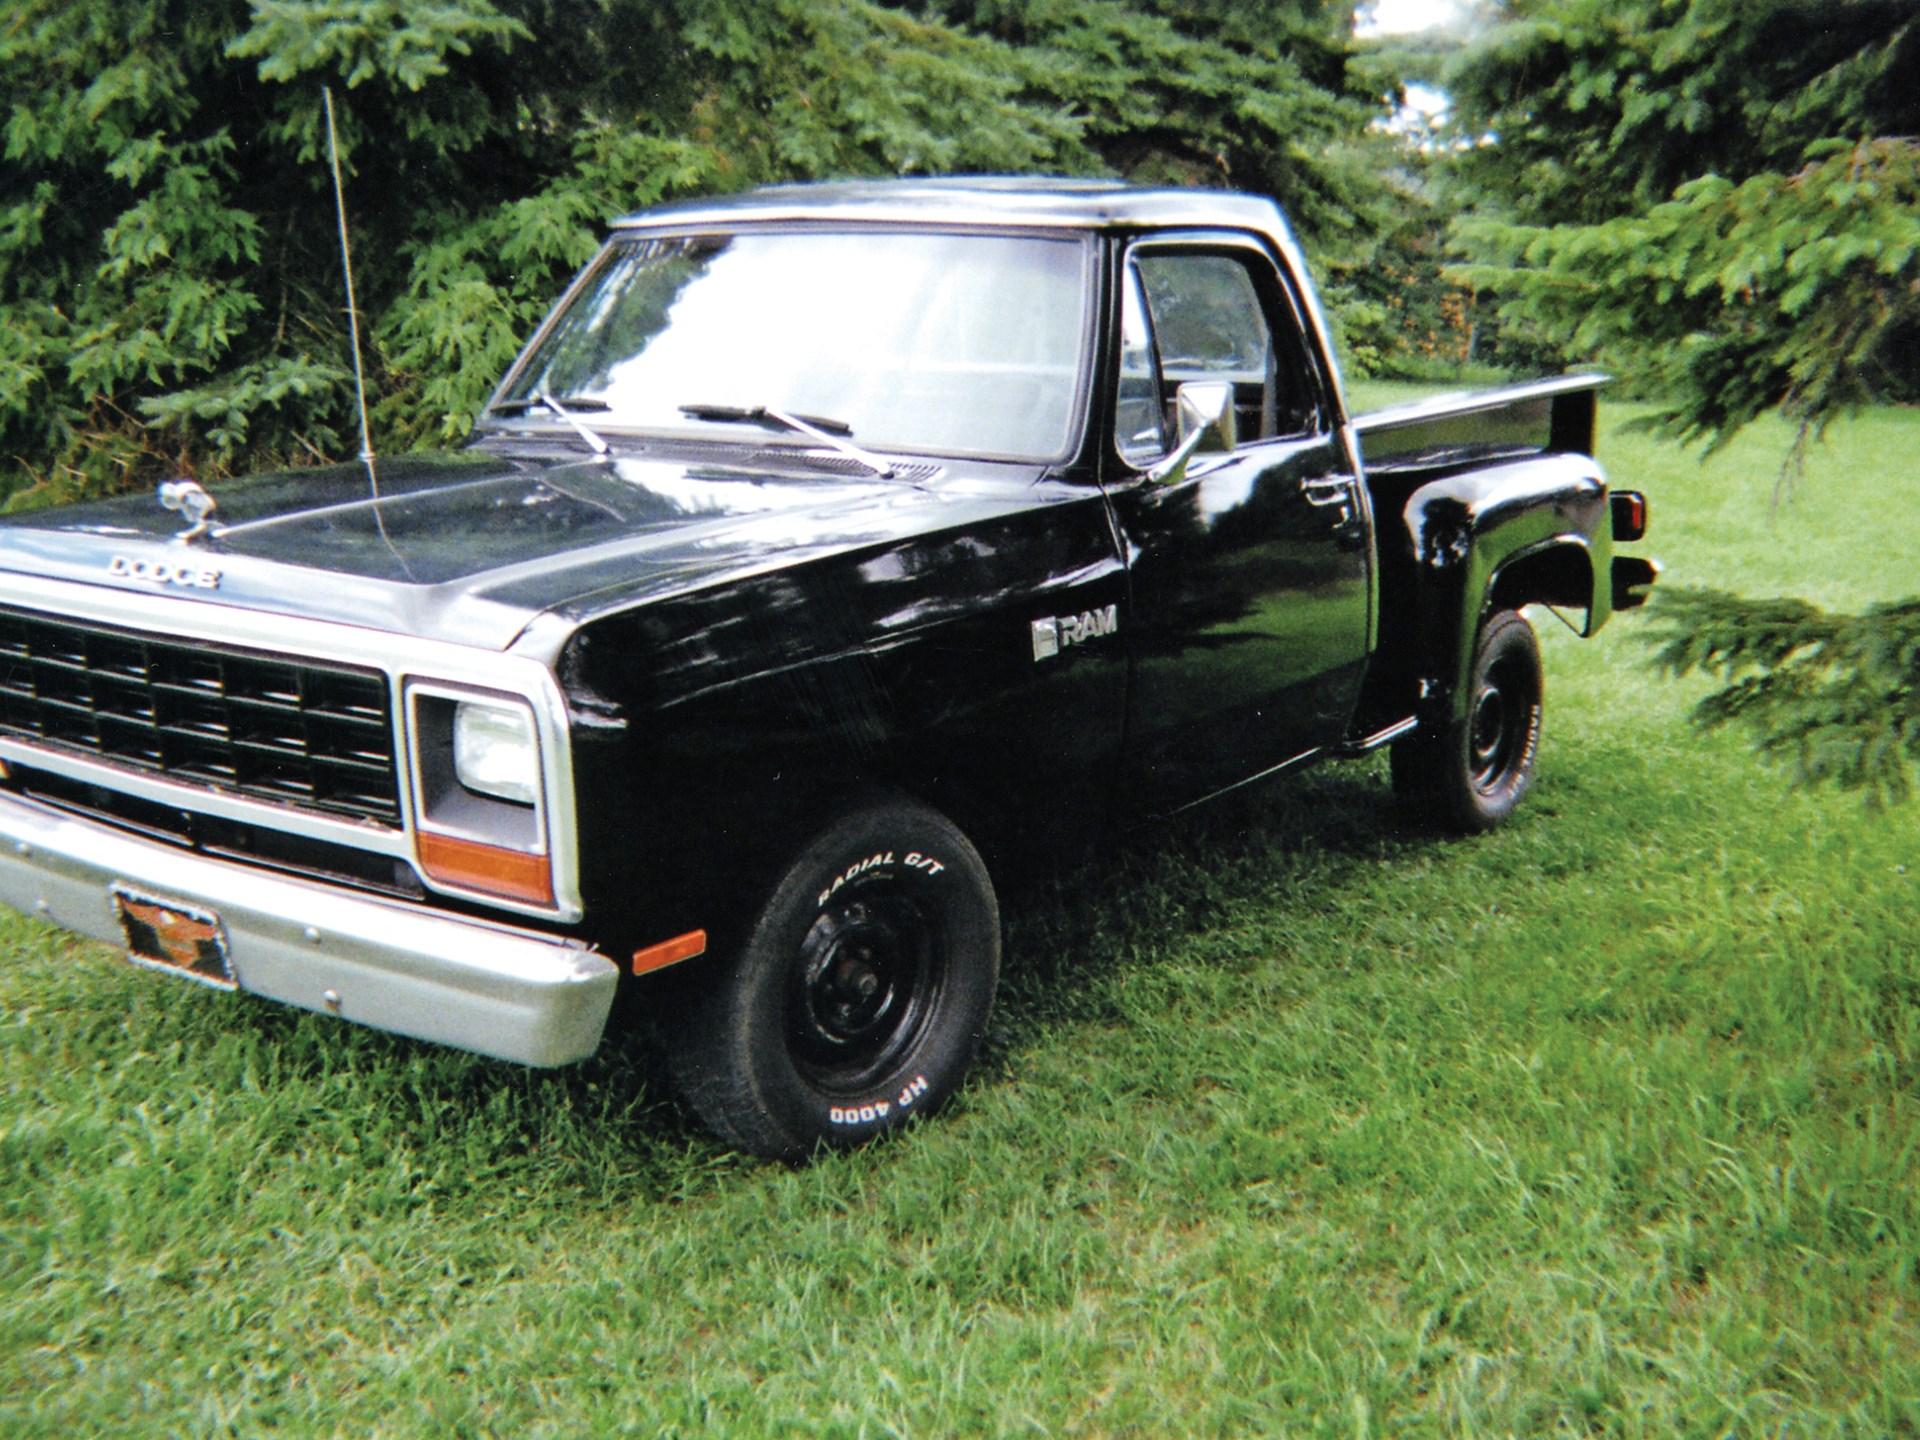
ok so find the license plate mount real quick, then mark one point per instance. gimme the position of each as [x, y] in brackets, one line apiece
[174, 937]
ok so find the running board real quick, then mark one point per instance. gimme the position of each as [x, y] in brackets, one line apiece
[1381, 737]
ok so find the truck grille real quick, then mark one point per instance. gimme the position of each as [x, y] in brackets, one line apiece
[299, 733]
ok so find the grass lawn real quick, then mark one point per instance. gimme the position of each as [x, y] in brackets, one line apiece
[1293, 1123]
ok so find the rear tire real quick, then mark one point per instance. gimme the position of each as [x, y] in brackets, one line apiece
[859, 997]
[1470, 774]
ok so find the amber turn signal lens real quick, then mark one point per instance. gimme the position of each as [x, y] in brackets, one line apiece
[510, 874]
[670, 952]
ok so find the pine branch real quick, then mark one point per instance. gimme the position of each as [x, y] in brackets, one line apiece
[1836, 698]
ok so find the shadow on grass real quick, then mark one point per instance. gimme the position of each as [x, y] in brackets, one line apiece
[608, 1129]
[1151, 889]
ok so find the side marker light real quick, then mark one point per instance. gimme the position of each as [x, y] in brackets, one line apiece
[670, 952]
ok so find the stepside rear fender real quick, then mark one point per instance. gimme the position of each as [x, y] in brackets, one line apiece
[1533, 531]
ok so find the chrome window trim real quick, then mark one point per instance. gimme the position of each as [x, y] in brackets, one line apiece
[401, 658]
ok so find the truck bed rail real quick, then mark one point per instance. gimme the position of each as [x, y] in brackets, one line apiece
[1479, 426]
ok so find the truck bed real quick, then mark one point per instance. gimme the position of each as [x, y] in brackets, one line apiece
[1480, 427]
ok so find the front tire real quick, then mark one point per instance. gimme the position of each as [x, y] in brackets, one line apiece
[1471, 773]
[859, 998]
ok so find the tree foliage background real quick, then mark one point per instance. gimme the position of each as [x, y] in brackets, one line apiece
[1718, 199]
[170, 286]
[1721, 199]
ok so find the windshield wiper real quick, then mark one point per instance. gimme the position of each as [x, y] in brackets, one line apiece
[594, 442]
[546, 401]
[576, 403]
[827, 432]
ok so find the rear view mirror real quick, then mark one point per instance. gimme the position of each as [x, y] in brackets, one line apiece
[1203, 414]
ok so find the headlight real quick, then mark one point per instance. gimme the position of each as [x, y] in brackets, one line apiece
[479, 802]
[495, 752]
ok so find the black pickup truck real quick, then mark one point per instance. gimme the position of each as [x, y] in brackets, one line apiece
[827, 548]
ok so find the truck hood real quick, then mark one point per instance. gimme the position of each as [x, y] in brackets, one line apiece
[471, 546]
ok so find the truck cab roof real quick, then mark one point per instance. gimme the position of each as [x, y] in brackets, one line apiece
[973, 202]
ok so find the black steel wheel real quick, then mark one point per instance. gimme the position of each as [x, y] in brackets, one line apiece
[859, 996]
[1471, 773]
[866, 982]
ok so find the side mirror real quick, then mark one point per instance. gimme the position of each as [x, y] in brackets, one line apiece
[1203, 411]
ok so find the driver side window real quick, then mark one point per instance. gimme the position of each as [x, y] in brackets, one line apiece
[1200, 315]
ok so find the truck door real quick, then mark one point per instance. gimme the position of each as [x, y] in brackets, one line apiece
[1250, 566]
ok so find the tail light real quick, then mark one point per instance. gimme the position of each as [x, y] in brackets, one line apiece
[1629, 515]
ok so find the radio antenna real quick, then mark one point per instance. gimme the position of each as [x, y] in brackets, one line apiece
[346, 265]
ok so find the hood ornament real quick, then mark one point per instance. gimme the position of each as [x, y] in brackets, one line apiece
[194, 504]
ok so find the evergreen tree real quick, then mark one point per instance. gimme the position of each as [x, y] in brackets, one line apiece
[1721, 198]
[170, 291]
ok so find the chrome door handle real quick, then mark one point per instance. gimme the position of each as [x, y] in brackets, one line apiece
[1331, 492]
[1328, 490]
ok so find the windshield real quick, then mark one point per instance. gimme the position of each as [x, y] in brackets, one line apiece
[943, 344]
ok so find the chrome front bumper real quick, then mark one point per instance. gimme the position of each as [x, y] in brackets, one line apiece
[511, 993]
